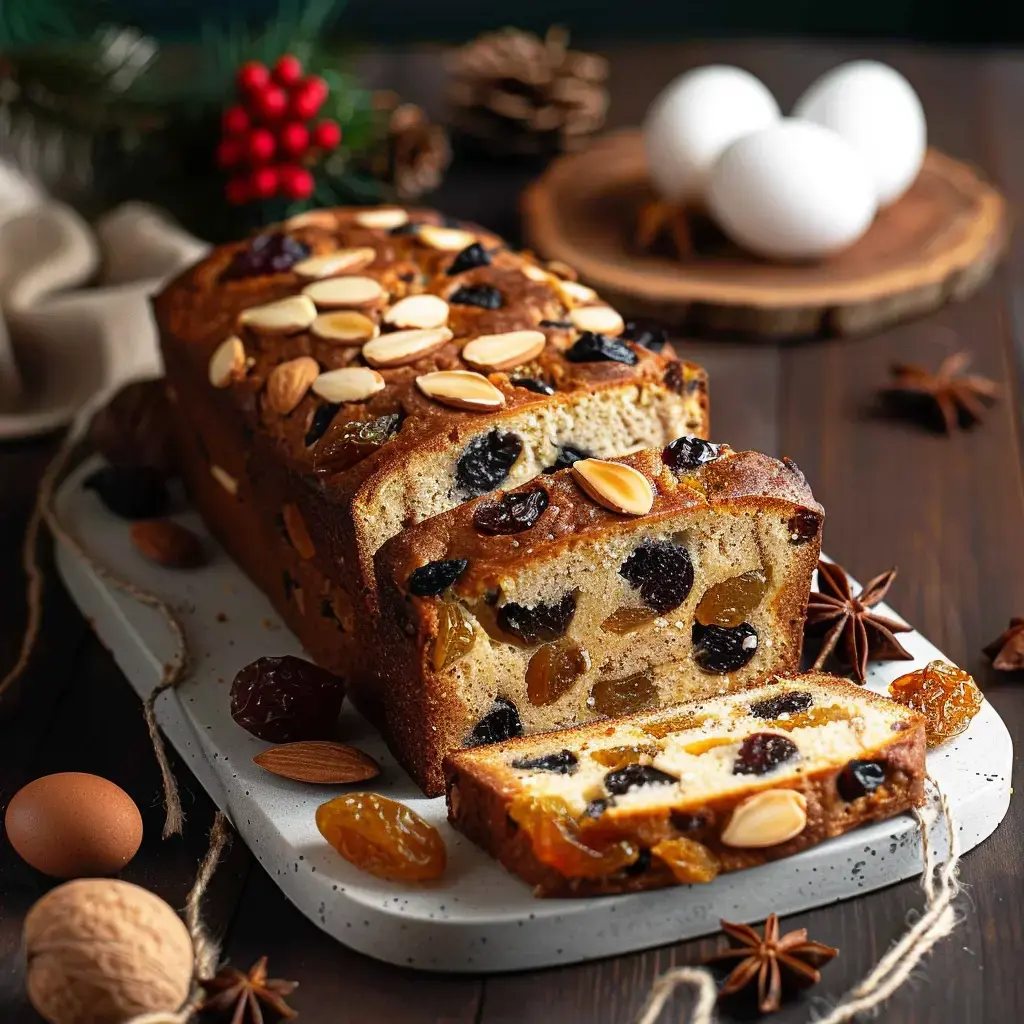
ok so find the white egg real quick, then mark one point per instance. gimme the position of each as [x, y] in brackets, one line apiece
[792, 191]
[877, 111]
[694, 119]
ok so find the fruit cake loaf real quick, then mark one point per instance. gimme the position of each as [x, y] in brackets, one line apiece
[352, 371]
[607, 588]
[682, 794]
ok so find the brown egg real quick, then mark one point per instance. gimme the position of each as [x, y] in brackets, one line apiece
[73, 825]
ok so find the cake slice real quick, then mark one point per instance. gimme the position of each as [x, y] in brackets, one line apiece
[608, 588]
[682, 794]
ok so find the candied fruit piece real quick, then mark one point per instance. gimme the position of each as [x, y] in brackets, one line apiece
[484, 296]
[628, 620]
[718, 649]
[816, 716]
[272, 252]
[567, 457]
[487, 461]
[663, 573]
[860, 778]
[685, 454]
[435, 577]
[688, 860]
[803, 526]
[540, 624]
[762, 752]
[130, 492]
[945, 695]
[474, 255]
[703, 746]
[592, 347]
[624, 779]
[345, 444]
[787, 703]
[455, 636]
[619, 757]
[512, 513]
[553, 670]
[563, 762]
[728, 603]
[502, 722]
[675, 723]
[383, 837]
[613, 697]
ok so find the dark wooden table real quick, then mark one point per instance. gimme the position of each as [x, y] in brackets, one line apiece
[948, 511]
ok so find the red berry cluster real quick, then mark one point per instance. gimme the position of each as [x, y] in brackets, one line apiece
[267, 142]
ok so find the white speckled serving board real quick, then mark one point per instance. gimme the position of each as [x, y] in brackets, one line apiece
[478, 917]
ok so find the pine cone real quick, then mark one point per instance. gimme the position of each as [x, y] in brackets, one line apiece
[511, 92]
[411, 153]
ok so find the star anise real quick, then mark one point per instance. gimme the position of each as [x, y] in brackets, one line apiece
[769, 960]
[865, 635]
[241, 993]
[1007, 650]
[960, 399]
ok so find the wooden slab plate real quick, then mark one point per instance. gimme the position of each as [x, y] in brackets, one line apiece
[941, 241]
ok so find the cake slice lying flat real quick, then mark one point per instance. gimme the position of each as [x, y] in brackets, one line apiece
[683, 794]
[608, 588]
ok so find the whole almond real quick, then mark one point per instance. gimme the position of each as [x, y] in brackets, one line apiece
[384, 218]
[573, 293]
[492, 352]
[288, 383]
[333, 292]
[346, 327]
[224, 478]
[535, 273]
[403, 347]
[446, 239]
[325, 219]
[614, 485]
[341, 261]
[286, 316]
[418, 311]
[295, 527]
[461, 389]
[599, 319]
[318, 761]
[227, 363]
[349, 384]
[167, 543]
[766, 819]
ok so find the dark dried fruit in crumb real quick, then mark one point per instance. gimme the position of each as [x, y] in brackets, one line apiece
[538, 387]
[321, 420]
[435, 577]
[761, 752]
[285, 699]
[540, 624]
[623, 780]
[803, 526]
[597, 807]
[721, 649]
[860, 778]
[646, 335]
[269, 253]
[501, 723]
[563, 762]
[686, 822]
[137, 492]
[567, 455]
[685, 454]
[484, 296]
[474, 255]
[513, 513]
[640, 865]
[662, 572]
[487, 461]
[783, 704]
[600, 348]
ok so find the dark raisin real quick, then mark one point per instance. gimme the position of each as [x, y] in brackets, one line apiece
[760, 752]
[474, 255]
[623, 780]
[347, 443]
[539, 387]
[803, 526]
[483, 295]
[435, 577]
[487, 461]
[564, 762]
[663, 573]
[511, 514]
[285, 699]
[860, 778]
[783, 704]
[597, 807]
[646, 335]
[131, 492]
[502, 722]
[640, 865]
[687, 823]
[557, 325]
[269, 253]
[591, 347]
[721, 649]
[567, 455]
[322, 416]
[689, 453]
[675, 378]
[540, 624]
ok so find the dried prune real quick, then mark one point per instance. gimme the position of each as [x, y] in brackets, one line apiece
[564, 762]
[474, 255]
[270, 253]
[483, 295]
[646, 335]
[947, 696]
[131, 492]
[624, 779]
[540, 624]
[685, 454]
[285, 699]
[592, 347]
[803, 526]
[487, 461]
[348, 443]
[553, 670]
[320, 421]
[455, 636]
[435, 577]
[502, 722]
[663, 573]
[136, 428]
[626, 696]
[719, 649]
[567, 455]
[860, 778]
[538, 387]
[761, 752]
[782, 704]
[512, 513]
[728, 603]
[688, 860]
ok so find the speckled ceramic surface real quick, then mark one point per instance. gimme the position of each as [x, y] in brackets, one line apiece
[477, 918]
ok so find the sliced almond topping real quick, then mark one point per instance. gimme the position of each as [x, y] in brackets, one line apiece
[298, 534]
[403, 347]
[224, 478]
[766, 818]
[288, 383]
[420, 311]
[384, 218]
[461, 390]
[619, 488]
[492, 352]
[535, 273]
[286, 316]
[344, 291]
[446, 239]
[227, 363]
[573, 293]
[348, 327]
[599, 319]
[349, 384]
[313, 219]
[342, 261]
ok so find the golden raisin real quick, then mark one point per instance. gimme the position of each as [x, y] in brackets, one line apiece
[628, 620]
[382, 836]
[553, 670]
[618, 757]
[613, 697]
[455, 636]
[688, 860]
[945, 695]
[814, 716]
[730, 602]
[703, 746]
